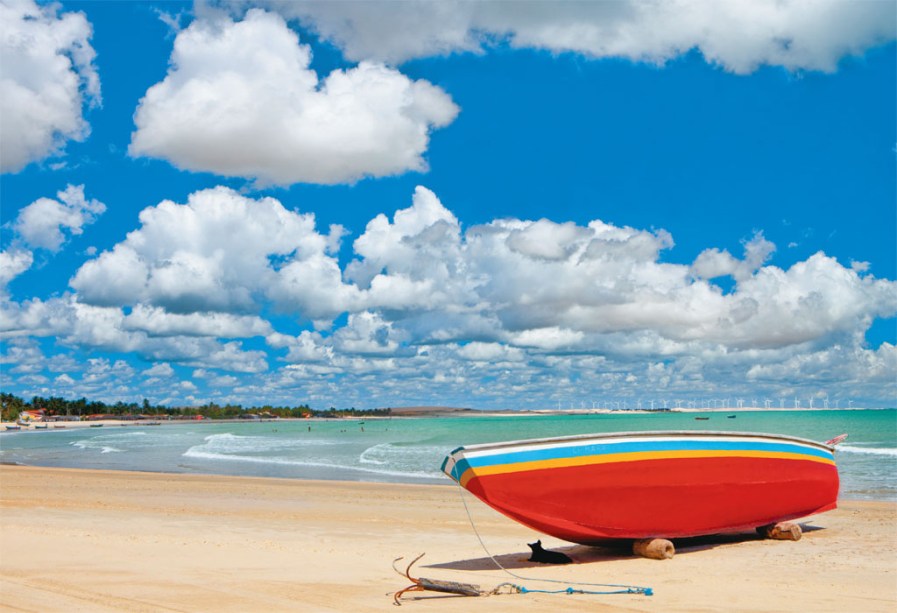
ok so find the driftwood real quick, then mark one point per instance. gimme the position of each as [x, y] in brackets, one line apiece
[656, 549]
[782, 531]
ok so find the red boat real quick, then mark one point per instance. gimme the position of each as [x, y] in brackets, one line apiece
[593, 488]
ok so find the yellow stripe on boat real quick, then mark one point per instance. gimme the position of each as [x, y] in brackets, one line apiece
[634, 456]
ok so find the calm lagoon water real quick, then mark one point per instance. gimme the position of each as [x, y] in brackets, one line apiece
[411, 450]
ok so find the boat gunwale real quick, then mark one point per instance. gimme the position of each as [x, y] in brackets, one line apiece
[632, 434]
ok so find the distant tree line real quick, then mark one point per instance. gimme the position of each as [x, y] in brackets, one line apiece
[11, 406]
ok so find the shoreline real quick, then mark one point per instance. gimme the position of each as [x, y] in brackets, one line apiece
[438, 412]
[80, 539]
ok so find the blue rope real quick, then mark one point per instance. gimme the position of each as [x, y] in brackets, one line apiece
[647, 591]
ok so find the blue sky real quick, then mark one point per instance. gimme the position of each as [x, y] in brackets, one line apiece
[492, 205]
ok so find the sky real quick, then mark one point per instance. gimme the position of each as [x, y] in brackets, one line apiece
[495, 205]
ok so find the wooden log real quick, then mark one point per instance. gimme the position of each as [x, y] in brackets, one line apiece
[782, 531]
[449, 587]
[656, 549]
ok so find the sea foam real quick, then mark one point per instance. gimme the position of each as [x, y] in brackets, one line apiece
[882, 451]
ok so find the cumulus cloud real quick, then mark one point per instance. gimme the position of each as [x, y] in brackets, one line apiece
[425, 303]
[44, 222]
[490, 352]
[739, 36]
[419, 279]
[162, 369]
[712, 263]
[366, 333]
[13, 262]
[46, 77]
[240, 99]
[219, 252]
[156, 322]
[150, 334]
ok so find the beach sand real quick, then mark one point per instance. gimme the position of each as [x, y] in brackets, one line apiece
[78, 540]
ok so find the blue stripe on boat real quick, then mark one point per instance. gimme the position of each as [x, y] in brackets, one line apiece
[598, 449]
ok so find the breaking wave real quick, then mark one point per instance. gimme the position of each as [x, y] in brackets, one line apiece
[882, 451]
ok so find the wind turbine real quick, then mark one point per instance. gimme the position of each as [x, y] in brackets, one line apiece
[796, 402]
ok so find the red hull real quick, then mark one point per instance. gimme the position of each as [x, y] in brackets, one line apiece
[657, 497]
[669, 498]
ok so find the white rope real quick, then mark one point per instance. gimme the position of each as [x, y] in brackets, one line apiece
[630, 588]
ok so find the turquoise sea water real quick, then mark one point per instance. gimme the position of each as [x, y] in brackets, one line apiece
[411, 450]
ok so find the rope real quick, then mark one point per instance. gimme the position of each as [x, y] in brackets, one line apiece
[623, 589]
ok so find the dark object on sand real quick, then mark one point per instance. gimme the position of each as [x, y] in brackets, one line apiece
[544, 556]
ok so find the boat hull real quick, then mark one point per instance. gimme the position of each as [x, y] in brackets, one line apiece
[590, 489]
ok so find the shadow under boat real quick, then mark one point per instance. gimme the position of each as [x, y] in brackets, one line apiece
[608, 552]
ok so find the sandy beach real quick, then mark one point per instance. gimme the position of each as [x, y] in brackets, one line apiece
[77, 540]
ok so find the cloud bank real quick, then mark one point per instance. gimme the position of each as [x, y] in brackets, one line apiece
[241, 100]
[736, 35]
[530, 305]
[46, 77]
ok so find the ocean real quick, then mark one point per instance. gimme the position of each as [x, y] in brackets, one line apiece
[410, 450]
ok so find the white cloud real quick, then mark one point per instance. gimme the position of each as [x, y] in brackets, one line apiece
[712, 263]
[23, 355]
[241, 100]
[79, 325]
[490, 352]
[42, 223]
[156, 322]
[13, 262]
[738, 35]
[45, 223]
[64, 380]
[859, 267]
[416, 280]
[366, 333]
[223, 381]
[219, 252]
[432, 309]
[162, 370]
[547, 240]
[307, 347]
[46, 75]
[551, 338]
